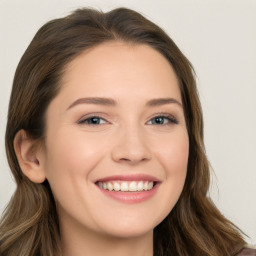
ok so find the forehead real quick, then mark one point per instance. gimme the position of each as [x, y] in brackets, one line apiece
[121, 68]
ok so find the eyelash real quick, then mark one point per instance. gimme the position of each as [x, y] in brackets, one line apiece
[169, 118]
[85, 121]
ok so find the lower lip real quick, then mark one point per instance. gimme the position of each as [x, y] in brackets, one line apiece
[131, 197]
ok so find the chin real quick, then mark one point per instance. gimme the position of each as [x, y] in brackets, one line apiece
[129, 232]
[130, 227]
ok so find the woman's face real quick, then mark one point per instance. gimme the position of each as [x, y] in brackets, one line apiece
[116, 129]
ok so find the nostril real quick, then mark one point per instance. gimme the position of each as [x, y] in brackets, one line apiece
[132, 161]
[125, 159]
[130, 151]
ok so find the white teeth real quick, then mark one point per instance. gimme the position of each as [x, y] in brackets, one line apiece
[133, 186]
[145, 185]
[125, 186]
[140, 186]
[116, 186]
[150, 185]
[109, 186]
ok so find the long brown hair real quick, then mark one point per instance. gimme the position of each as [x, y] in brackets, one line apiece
[29, 225]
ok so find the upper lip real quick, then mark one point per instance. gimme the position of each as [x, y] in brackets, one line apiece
[129, 177]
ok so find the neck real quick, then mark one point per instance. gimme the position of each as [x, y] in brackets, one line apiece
[84, 242]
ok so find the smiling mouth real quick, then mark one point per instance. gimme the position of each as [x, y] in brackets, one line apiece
[127, 186]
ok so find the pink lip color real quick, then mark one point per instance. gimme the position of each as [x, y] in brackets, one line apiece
[131, 197]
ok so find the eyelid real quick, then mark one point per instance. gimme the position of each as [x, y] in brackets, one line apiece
[171, 118]
[89, 116]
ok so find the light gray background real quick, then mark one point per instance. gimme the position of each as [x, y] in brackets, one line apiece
[218, 37]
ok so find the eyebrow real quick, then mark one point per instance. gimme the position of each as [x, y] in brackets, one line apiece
[95, 101]
[162, 101]
[111, 102]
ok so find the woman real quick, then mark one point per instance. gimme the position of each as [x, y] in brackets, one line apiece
[105, 141]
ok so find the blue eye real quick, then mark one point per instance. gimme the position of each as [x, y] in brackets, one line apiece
[162, 120]
[94, 120]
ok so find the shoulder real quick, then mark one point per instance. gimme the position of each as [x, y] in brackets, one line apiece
[247, 252]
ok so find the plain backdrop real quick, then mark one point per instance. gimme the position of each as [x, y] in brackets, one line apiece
[218, 37]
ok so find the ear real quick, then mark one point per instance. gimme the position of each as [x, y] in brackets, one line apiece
[29, 154]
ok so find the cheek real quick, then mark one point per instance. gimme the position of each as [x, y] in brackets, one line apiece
[176, 158]
[71, 152]
[173, 157]
[70, 160]
[173, 154]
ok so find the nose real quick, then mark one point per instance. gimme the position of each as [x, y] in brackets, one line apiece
[131, 146]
